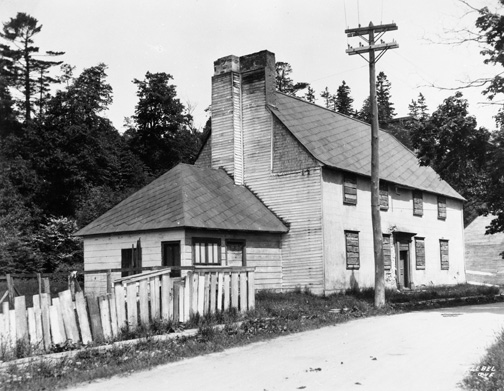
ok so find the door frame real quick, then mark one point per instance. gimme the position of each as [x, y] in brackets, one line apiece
[405, 239]
[171, 242]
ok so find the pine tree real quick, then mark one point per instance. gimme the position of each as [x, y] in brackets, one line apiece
[386, 111]
[23, 70]
[283, 81]
[309, 96]
[327, 96]
[342, 100]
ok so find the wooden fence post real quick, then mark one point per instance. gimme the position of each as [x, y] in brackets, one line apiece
[47, 287]
[10, 289]
[109, 281]
[39, 281]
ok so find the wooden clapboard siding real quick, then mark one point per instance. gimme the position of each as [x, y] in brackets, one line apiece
[294, 196]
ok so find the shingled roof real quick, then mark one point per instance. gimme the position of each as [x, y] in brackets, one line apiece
[188, 196]
[345, 143]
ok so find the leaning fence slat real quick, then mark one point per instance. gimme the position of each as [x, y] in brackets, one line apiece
[166, 297]
[213, 292]
[57, 303]
[82, 314]
[103, 303]
[194, 294]
[243, 291]
[234, 290]
[220, 283]
[21, 320]
[206, 287]
[69, 319]
[32, 330]
[113, 315]
[131, 301]
[187, 298]
[226, 289]
[143, 295]
[12, 328]
[45, 303]
[3, 333]
[120, 306]
[182, 302]
[57, 328]
[201, 293]
[154, 298]
[176, 303]
[251, 290]
[37, 316]
[94, 315]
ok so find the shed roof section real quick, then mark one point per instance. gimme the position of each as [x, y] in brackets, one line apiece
[345, 143]
[188, 196]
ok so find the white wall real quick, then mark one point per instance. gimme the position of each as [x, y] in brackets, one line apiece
[339, 217]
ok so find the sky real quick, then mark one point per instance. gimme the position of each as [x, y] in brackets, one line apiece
[184, 38]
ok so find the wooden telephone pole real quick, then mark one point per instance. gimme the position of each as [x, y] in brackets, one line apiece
[374, 33]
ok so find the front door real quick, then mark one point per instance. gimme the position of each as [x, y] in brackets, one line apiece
[170, 255]
[403, 264]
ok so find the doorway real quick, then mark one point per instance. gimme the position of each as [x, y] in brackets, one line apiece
[170, 256]
[403, 263]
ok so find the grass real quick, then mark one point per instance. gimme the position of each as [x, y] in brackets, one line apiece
[275, 314]
[489, 374]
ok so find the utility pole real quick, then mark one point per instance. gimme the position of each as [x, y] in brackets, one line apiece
[374, 33]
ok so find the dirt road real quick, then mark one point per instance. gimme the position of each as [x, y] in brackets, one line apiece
[430, 350]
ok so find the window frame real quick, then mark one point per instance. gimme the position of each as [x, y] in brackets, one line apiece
[419, 258]
[349, 189]
[418, 203]
[445, 265]
[206, 241]
[352, 265]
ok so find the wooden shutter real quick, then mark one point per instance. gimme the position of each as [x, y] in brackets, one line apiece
[441, 205]
[417, 203]
[387, 252]
[384, 198]
[352, 249]
[420, 253]
[445, 261]
[350, 189]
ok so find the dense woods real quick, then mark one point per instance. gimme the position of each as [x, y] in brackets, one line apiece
[62, 163]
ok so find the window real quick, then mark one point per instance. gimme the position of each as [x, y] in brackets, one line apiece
[384, 200]
[206, 251]
[352, 250]
[420, 253]
[131, 258]
[443, 247]
[417, 203]
[235, 252]
[387, 252]
[441, 208]
[350, 189]
[170, 256]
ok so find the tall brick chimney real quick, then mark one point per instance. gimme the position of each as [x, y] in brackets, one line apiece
[242, 87]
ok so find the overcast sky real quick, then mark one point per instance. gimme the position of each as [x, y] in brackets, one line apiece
[184, 37]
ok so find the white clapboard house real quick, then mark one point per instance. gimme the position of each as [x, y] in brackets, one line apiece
[283, 185]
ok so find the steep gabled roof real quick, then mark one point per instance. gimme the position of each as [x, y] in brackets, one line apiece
[345, 143]
[188, 196]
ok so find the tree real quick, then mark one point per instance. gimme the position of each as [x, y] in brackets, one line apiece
[283, 81]
[161, 133]
[343, 101]
[386, 111]
[309, 96]
[328, 98]
[23, 70]
[451, 143]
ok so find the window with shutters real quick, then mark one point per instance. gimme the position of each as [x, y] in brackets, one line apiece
[417, 203]
[443, 249]
[384, 198]
[441, 208]
[352, 250]
[207, 251]
[387, 252]
[350, 189]
[420, 253]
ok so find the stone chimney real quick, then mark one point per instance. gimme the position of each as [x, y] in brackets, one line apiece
[242, 87]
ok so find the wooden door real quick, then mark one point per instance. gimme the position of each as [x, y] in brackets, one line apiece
[170, 254]
[403, 265]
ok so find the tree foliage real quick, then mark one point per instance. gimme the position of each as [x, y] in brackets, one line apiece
[160, 132]
[342, 100]
[284, 83]
[23, 68]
